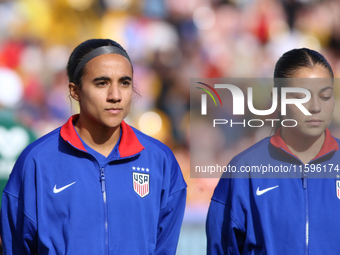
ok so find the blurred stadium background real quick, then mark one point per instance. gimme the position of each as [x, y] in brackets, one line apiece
[169, 42]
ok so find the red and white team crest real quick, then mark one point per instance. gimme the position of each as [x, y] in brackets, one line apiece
[141, 183]
[338, 188]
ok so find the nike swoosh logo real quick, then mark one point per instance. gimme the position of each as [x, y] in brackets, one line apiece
[55, 190]
[261, 192]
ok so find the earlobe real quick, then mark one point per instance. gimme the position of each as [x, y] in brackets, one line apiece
[73, 91]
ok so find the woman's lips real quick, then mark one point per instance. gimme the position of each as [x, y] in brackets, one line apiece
[114, 110]
[314, 122]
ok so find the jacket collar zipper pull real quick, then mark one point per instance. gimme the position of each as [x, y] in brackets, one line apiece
[102, 179]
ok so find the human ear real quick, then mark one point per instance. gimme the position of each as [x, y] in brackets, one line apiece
[73, 91]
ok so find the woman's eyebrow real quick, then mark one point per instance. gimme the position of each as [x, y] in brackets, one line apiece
[105, 78]
[322, 90]
[125, 78]
[102, 78]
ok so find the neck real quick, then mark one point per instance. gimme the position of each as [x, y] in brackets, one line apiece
[100, 138]
[304, 147]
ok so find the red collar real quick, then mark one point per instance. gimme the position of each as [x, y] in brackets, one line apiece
[329, 145]
[129, 144]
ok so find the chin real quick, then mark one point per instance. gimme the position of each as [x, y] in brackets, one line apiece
[114, 125]
[315, 132]
[110, 123]
[113, 121]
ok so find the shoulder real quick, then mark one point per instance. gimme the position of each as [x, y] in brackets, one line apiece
[151, 144]
[156, 151]
[43, 144]
[254, 152]
[41, 147]
[24, 168]
[337, 140]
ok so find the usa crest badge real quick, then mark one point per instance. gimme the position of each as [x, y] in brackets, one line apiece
[338, 188]
[141, 184]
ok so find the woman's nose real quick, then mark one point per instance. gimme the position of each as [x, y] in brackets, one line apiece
[314, 106]
[114, 93]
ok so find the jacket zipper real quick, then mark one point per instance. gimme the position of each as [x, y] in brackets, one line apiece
[102, 180]
[103, 188]
[307, 213]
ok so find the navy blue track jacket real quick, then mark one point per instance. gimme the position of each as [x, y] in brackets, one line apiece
[277, 215]
[60, 200]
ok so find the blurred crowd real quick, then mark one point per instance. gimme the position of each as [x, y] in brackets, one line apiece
[169, 42]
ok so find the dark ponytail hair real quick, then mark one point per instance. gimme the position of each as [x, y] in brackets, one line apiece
[290, 63]
[80, 51]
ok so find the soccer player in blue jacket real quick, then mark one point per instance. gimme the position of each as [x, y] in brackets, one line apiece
[285, 215]
[95, 185]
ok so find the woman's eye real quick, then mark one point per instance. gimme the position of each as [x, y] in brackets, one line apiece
[296, 95]
[126, 83]
[325, 97]
[103, 83]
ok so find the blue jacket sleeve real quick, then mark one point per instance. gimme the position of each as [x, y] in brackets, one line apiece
[225, 225]
[173, 199]
[18, 218]
[170, 221]
[17, 229]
